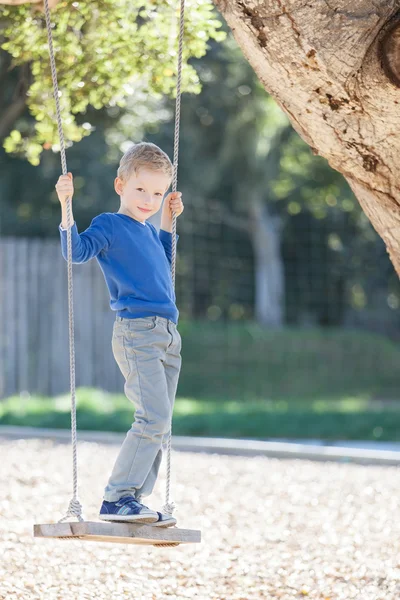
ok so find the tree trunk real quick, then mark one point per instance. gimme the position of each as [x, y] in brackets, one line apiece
[10, 112]
[10, 115]
[269, 270]
[334, 68]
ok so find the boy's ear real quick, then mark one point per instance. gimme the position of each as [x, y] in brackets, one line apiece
[118, 186]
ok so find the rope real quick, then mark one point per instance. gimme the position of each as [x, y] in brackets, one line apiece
[75, 508]
[169, 507]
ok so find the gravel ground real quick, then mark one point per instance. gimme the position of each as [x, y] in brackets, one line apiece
[270, 529]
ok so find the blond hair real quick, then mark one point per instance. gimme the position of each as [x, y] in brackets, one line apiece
[144, 155]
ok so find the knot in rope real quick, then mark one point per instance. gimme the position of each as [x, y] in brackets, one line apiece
[74, 511]
[168, 508]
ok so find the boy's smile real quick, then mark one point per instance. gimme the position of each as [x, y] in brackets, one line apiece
[142, 194]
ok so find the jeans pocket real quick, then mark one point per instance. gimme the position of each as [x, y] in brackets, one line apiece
[120, 355]
[142, 324]
[179, 341]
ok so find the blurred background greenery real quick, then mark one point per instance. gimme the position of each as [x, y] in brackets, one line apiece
[289, 305]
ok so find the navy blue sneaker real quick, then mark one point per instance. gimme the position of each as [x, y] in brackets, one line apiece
[127, 509]
[164, 520]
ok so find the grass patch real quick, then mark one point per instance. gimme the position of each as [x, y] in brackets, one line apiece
[244, 381]
[243, 360]
[329, 418]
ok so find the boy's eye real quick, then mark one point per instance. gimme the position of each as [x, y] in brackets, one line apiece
[139, 189]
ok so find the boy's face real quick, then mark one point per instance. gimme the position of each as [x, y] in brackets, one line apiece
[142, 194]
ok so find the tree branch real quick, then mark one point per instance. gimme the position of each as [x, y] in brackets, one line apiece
[5, 62]
[10, 115]
[18, 102]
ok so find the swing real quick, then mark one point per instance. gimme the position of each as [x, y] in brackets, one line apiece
[117, 532]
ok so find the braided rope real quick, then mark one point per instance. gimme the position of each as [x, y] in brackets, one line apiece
[169, 507]
[75, 508]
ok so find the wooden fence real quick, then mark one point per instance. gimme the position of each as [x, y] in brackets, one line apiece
[34, 347]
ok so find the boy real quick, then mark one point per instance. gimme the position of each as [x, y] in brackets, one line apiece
[136, 261]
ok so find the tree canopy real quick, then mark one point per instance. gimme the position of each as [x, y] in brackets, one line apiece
[106, 51]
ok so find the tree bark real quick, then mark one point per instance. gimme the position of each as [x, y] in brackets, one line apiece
[334, 67]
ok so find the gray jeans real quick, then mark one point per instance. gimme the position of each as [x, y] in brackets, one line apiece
[147, 351]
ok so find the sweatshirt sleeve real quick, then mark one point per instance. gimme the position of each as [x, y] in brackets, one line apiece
[85, 246]
[166, 240]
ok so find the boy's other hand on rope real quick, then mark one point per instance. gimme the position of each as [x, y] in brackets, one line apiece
[172, 203]
[65, 188]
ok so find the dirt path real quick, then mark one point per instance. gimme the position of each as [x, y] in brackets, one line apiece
[271, 529]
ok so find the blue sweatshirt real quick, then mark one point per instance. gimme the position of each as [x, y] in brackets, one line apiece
[135, 261]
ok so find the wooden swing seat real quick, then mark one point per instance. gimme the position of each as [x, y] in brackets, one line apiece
[118, 532]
